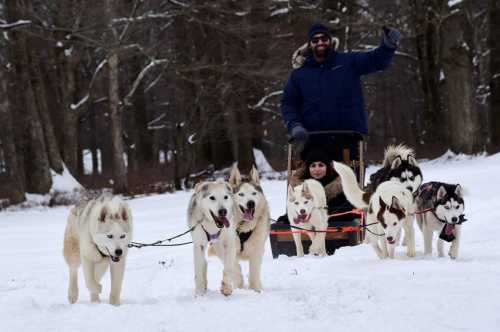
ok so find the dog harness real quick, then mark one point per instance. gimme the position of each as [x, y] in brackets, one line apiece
[244, 236]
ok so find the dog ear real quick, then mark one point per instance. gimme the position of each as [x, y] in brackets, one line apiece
[305, 189]
[459, 191]
[200, 186]
[254, 176]
[441, 193]
[411, 160]
[102, 215]
[381, 203]
[395, 204]
[290, 193]
[235, 177]
[396, 162]
[124, 213]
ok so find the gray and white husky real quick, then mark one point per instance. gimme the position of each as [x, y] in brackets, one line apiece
[400, 166]
[389, 210]
[445, 213]
[306, 208]
[97, 236]
[252, 218]
[211, 213]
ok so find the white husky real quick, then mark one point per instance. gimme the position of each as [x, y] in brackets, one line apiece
[252, 215]
[389, 209]
[306, 208]
[211, 213]
[97, 236]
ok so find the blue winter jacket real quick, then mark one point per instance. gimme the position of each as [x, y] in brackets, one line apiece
[328, 95]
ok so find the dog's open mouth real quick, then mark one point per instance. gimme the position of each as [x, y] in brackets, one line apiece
[115, 259]
[220, 221]
[449, 229]
[301, 218]
[247, 213]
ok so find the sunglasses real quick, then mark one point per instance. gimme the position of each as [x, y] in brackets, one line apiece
[323, 38]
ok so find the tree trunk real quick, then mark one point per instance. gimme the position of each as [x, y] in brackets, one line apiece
[457, 53]
[43, 111]
[120, 184]
[11, 189]
[427, 46]
[494, 43]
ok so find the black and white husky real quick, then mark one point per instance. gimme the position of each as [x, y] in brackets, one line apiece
[399, 165]
[442, 207]
[389, 210]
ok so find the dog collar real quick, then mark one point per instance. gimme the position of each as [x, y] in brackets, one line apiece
[102, 254]
[211, 237]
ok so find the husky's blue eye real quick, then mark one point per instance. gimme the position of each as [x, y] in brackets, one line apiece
[122, 236]
[110, 236]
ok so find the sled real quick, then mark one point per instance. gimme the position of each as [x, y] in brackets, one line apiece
[344, 223]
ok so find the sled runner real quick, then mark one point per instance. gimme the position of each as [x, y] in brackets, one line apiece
[345, 222]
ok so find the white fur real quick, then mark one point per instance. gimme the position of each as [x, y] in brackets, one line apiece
[208, 198]
[309, 197]
[391, 194]
[249, 194]
[103, 224]
[428, 224]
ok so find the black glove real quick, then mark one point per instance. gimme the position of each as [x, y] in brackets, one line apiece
[392, 37]
[299, 137]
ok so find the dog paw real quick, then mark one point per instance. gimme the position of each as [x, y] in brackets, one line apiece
[72, 296]
[114, 300]
[226, 289]
[200, 292]
[453, 255]
[255, 287]
[94, 298]
[411, 253]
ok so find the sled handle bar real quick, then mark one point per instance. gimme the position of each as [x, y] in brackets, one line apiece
[323, 132]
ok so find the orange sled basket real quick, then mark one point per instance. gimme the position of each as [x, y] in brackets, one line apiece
[344, 225]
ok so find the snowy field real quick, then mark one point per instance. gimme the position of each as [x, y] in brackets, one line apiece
[350, 291]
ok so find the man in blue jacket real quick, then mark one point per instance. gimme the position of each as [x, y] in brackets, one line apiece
[325, 93]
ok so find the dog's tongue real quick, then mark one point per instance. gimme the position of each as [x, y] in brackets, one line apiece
[248, 214]
[449, 229]
[300, 218]
[224, 221]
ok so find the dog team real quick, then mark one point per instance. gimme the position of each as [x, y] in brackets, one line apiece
[230, 220]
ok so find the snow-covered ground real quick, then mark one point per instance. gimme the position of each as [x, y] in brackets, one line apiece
[350, 291]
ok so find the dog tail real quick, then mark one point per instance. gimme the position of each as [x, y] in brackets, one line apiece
[353, 193]
[394, 151]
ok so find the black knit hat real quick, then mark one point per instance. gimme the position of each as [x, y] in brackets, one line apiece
[318, 28]
[317, 154]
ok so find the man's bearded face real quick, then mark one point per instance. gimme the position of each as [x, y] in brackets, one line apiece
[319, 44]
